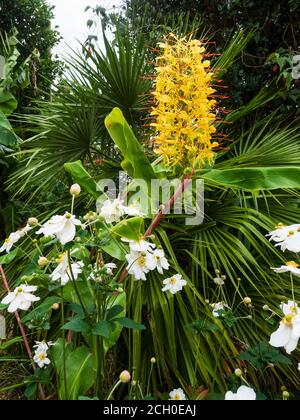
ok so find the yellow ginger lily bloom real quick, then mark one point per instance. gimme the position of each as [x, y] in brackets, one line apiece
[184, 110]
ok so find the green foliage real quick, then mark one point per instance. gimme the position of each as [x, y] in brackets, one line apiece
[32, 19]
[263, 355]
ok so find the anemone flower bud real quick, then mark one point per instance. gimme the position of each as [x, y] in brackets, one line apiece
[55, 306]
[153, 360]
[32, 221]
[43, 261]
[125, 377]
[75, 190]
[247, 301]
[238, 373]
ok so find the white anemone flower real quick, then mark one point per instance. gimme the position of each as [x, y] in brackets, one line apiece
[291, 243]
[174, 284]
[160, 261]
[40, 355]
[288, 333]
[282, 232]
[62, 272]
[112, 211]
[9, 242]
[139, 264]
[139, 246]
[20, 298]
[289, 267]
[177, 395]
[98, 272]
[63, 227]
[244, 393]
[133, 210]
[216, 307]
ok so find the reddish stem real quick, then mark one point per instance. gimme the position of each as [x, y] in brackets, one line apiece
[187, 179]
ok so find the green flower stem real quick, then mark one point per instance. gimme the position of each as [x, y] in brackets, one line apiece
[64, 344]
[113, 389]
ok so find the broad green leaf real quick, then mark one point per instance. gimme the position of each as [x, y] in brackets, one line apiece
[135, 162]
[43, 308]
[114, 311]
[115, 301]
[131, 229]
[6, 344]
[256, 179]
[81, 176]
[80, 370]
[77, 324]
[8, 258]
[102, 328]
[129, 323]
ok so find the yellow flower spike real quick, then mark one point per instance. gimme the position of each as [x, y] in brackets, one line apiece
[184, 111]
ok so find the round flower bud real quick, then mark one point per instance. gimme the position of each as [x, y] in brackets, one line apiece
[238, 373]
[43, 261]
[207, 301]
[286, 394]
[55, 306]
[217, 272]
[134, 383]
[75, 190]
[125, 377]
[283, 388]
[247, 301]
[266, 308]
[32, 221]
[153, 360]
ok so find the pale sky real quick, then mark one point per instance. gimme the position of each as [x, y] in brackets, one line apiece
[71, 19]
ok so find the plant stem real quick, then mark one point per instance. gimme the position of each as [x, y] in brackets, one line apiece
[64, 343]
[187, 179]
[76, 289]
[113, 390]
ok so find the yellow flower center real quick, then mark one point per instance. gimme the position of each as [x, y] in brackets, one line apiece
[172, 280]
[292, 264]
[68, 216]
[42, 356]
[60, 258]
[177, 397]
[291, 233]
[141, 261]
[288, 320]
[19, 290]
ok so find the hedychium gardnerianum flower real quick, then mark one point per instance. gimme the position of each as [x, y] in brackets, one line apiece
[184, 104]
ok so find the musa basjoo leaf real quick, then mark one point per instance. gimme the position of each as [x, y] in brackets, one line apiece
[135, 162]
[7, 136]
[256, 179]
[81, 176]
[80, 372]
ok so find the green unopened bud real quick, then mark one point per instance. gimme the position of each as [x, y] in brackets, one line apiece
[266, 308]
[286, 395]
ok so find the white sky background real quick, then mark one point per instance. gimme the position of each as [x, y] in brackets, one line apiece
[71, 21]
